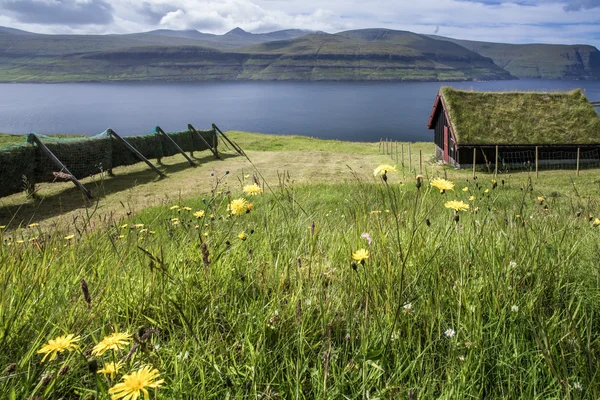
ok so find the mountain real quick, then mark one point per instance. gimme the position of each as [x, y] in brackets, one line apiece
[376, 54]
[366, 54]
[539, 61]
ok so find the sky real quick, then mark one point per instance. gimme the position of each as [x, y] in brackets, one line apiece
[513, 21]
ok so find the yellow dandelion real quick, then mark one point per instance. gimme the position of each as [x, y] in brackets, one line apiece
[58, 345]
[2, 226]
[242, 235]
[596, 222]
[116, 341]
[121, 236]
[541, 199]
[187, 208]
[472, 198]
[375, 212]
[137, 226]
[20, 241]
[238, 206]
[144, 230]
[442, 184]
[136, 383]
[252, 190]
[33, 225]
[465, 189]
[174, 208]
[111, 368]
[486, 191]
[383, 169]
[360, 255]
[457, 205]
[199, 214]
[69, 237]
[124, 226]
[205, 233]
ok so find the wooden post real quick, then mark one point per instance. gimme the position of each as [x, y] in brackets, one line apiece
[537, 158]
[409, 157]
[420, 162]
[60, 165]
[578, 158]
[211, 148]
[137, 153]
[380, 141]
[396, 151]
[179, 149]
[402, 149]
[496, 167]
[235, 146]
[474, 160]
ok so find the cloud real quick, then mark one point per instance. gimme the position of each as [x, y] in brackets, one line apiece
[52, 12]
[576, 5]
[153, 13]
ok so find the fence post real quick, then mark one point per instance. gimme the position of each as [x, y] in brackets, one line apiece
[396, 151]
[402, 148]
[380, 140]
[420, 162]
[474, 158]
[409, 158]
[496, 167]
[578, 157]
[134, 151]
[537, 157]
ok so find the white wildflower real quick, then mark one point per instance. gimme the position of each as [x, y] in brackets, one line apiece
[450, 333]
[514, 308]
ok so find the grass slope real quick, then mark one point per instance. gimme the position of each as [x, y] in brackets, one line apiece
[522, 117]
[501, 304]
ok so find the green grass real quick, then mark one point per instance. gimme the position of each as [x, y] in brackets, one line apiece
[285, 313]
[522, 117]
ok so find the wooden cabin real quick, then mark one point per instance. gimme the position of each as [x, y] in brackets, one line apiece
[558, 129]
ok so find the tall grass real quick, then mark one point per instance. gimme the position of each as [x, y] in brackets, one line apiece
[502, 303]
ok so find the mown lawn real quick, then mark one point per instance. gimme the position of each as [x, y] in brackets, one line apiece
[497, 301]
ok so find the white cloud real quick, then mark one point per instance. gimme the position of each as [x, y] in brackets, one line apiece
[510, 21]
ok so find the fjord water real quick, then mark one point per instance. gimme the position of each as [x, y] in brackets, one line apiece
[355, 111]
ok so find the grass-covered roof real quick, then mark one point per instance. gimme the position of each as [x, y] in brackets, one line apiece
[521, 117]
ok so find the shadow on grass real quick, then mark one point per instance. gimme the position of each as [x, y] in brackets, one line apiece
[71, 198]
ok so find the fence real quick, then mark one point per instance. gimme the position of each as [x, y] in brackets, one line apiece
[22, 166]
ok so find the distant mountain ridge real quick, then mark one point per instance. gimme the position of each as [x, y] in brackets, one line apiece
[366, 54]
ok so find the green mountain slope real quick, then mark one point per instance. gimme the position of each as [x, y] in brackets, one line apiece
[539, 61]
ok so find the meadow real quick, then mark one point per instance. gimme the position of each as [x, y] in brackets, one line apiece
[327, 281]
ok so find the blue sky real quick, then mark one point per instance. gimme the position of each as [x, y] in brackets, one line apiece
[517, 21]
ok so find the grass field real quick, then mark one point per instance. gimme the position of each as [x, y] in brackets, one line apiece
[498, 301]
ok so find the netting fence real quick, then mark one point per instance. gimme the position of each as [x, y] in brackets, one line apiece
[21, 166]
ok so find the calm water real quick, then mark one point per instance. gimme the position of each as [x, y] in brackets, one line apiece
[349, 111]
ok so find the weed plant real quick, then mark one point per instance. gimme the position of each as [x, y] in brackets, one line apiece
[364, 289]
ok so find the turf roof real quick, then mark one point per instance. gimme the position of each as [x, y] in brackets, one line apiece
[521, 117]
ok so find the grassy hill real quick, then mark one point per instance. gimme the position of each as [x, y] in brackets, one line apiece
[539, 61]
[400, 56]
[336, 284]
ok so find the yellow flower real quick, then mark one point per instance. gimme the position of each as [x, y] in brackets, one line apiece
[20, 241]
[144, 230]
[383, 169]
[486, 191]
[121, 236]
[541, 199]
[472, 198]
[116, 341]
[124, 226]
[596, 222]
[137, 226]
[33, 225]
[174, 208]
[242, 235]
[69, 237]
[457, 205]
[205, 233]
[442, 184]
[465, 189]
[375, 212]
[58, 345]
[199, 214]
[360, 255]
[111, 368]
[135, 384]
[238, 206]
[187, 208]
[252, 190]
[2, 226]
